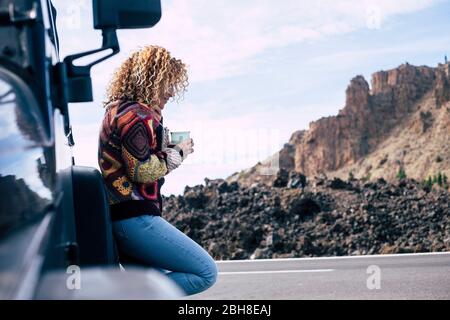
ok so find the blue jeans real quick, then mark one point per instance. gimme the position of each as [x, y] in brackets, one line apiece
[152, 241]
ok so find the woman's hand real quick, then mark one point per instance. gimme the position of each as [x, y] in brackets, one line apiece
[187, 147]
[177, 153]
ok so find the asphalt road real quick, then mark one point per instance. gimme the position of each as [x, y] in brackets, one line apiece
[403, 276]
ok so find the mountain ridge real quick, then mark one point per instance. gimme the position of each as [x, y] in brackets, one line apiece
[401, 122]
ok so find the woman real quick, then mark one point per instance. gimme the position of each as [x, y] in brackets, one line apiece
[135, 155]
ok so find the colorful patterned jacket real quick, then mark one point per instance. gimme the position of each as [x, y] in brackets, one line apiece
[132, 159]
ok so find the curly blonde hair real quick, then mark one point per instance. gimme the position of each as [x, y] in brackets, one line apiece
[146, 75]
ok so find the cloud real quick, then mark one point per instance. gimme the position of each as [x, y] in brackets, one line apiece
[348, 56]
[220, 40]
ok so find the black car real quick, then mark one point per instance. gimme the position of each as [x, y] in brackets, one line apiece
[56, 240]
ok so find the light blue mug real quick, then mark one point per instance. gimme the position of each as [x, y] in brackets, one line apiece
[177, 136]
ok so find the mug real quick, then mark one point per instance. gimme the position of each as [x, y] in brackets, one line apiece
[177, 136]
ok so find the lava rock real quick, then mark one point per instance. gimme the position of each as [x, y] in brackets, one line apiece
[318, 219]
[282, 178]
[337, 183]
[296, 180]
[305, 206]
[194, 199]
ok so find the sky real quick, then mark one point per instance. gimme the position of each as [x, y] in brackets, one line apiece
[258, 70]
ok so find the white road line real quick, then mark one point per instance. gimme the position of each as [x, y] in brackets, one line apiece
[274, 271]
[340, 257]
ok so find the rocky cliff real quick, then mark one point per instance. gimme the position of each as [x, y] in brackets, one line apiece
[401, 123]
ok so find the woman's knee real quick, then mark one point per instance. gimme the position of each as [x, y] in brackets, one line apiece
[211, 272]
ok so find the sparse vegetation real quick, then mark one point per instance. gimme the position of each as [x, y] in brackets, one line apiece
[351, 176]
[401, 174]
[439, 179]
[427, 183]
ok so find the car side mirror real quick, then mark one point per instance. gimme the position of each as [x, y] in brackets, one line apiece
[120, 14]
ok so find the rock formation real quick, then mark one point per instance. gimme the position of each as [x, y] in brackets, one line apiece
[401, 123]
[325, 217]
